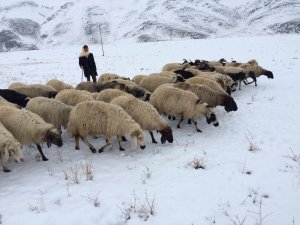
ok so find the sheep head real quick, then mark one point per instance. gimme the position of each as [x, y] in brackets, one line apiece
[52, 94]
[230, 104]
[53, 136]
[135, 91]
[23, 102]
[178, 78]
[138, 139]
[166, 135]
[211, 117]
[15, 151]
[205, 66]
[269, 74]
[146, 97]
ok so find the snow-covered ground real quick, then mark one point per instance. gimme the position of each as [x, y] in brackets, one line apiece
[235, 180]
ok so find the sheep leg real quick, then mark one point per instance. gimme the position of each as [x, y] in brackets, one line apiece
[4, 158]
[85, 140]
[119, 142]
[108, 142]
[240, 84]
[195, 124]
[124, 138]
[77, 142]
[41, 152]
[181, 119]
[152, 137]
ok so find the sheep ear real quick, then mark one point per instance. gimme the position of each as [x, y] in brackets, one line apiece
[199, 101]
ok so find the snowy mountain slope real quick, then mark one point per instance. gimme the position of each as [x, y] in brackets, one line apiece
[278, 16]
[37, 192]
[39, 23]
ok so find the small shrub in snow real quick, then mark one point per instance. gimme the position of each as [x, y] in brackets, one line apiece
[143, 209]
[50, 171]
[235, 219]
[72, 174]
[59, 155]
[68, 190]
[295, 157]
[75, 172]
[147, 173]
[40, 207]
[197, 163]
[260, 217]
[253, 147]
[87, 170]
[94, 199]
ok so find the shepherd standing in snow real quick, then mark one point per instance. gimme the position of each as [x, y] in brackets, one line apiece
[87, 63]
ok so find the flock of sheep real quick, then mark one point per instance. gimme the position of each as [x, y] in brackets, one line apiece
[117, 106]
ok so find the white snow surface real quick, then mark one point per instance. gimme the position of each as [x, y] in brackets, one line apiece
[36, 192]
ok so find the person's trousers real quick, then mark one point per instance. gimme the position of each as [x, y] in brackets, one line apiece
[93, 77]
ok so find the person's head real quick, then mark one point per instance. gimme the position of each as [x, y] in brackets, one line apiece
[85, 48]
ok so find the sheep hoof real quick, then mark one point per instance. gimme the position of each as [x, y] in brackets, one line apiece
[124, 138]
[178, 126]
[93, 150]
[189, 121]
[169, 117]
[100, 150]
[154, 142]
[6, 170]
[198, 130]
[44, 159]
[174, 118]
[121, 149]
[77, 148]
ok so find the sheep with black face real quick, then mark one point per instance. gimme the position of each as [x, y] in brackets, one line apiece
[145, 115]
[29, 128]
[185, 104]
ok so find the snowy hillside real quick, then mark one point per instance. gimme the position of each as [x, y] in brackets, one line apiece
[39, 23]
[235, 181]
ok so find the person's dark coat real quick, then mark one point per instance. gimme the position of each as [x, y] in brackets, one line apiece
[86, 60]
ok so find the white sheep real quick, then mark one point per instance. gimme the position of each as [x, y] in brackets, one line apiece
[15, 85]
[175, 66]
[177, 102]
[108, 95]
[107, 77]
[9, 146]
[225, 81]
[194, 71]
[206, 82]
[239, 74]
[146, 116]
[59, 85]
[169, 74]
[137, 78]
[51, 110]
[220, 62]
[29, 128]
[233, 63]
[36, 90]
[4, 102]
[257, 70]
[72, 96]
[150, 83]
[208, 95]
[96, 117]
